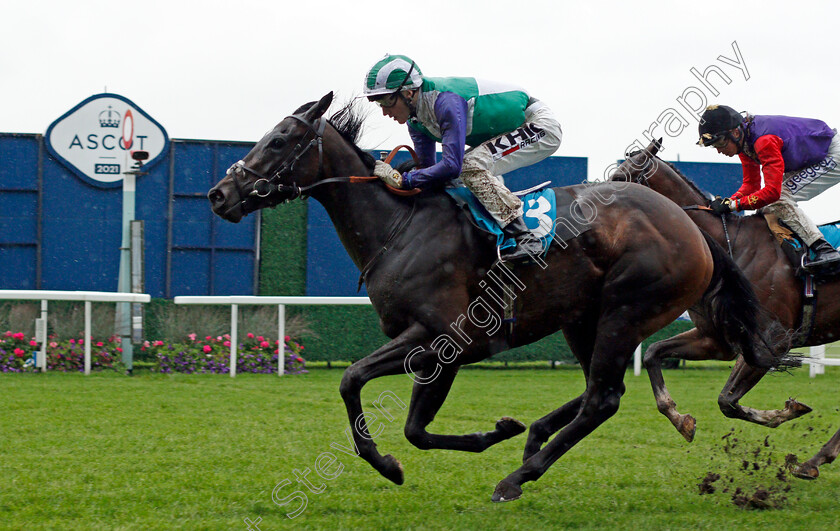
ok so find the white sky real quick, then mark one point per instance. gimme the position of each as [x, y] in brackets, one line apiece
[230, 70]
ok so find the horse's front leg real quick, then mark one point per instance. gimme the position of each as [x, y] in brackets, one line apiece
[431, 386]
[387, 360]
[742, 379]
[689, 345]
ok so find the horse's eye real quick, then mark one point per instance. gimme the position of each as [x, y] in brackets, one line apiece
[276, 143]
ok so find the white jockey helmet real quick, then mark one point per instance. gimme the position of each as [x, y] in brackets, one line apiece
[391, 74]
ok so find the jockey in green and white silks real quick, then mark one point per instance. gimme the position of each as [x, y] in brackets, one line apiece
[506, 128]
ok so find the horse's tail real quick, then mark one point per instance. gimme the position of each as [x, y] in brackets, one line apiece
[737, 317]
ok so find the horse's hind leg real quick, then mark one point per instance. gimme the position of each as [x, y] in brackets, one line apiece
[426, 400]
[604, 388]
[742, 379]
[580, 339]
[689, 345]
[810, 469]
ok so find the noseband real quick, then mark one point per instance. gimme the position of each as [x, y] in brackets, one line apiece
[265, 186]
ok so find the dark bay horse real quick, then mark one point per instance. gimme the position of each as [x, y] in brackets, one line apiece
[433, 280]
[762, 260]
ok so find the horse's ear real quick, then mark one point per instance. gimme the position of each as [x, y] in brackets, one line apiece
[318, 110]
[654, 147]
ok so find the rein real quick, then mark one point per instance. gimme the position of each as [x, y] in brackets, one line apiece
[643, 182]
[265, 186]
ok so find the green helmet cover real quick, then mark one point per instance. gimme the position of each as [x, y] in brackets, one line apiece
[392, 73]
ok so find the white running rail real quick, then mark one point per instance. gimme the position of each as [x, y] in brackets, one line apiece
[235, 300]
[87, 296]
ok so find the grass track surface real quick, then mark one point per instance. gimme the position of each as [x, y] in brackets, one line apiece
[206, 452]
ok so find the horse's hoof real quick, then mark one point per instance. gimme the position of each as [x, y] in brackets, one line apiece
[797, 408]
[687, 427]
[506, 491]
[510, 427]
[806, 471]
[392, 469]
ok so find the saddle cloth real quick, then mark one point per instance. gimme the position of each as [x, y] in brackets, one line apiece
[540, 207]
[793, 245]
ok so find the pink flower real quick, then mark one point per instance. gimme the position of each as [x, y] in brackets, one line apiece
[99, 343]
[191, 336]
[300, 346]
[299, 359]
[265, 344]
[277, 351]
[260, 338]
[207, 349]
[53, 344]
[208, 338]
[250, 335]
[33, 343]
[158, 343]
[8, 333]
[146, 344]
[119, 349]
[226, 343]
[287, 339]
[18, 336]
[72, 341]
[19, 352]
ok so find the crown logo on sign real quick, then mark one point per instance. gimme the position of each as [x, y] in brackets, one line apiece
[109, 118]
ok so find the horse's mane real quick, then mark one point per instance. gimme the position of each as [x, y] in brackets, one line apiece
[683, 176]
[348, 121]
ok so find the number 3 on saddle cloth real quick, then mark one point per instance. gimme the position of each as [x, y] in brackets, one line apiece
[540, 208]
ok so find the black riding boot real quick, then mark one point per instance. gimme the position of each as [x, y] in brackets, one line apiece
[826, 256]
[527, 245]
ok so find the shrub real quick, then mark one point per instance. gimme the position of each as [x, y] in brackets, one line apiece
[16, 354]
[256, 354]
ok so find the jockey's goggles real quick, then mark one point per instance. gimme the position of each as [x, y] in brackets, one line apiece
[388, 100]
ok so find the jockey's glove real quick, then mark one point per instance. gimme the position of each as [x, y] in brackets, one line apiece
[388, 174]
[722, 205]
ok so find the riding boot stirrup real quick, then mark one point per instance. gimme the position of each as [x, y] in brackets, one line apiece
[826, 256]
[527, 246]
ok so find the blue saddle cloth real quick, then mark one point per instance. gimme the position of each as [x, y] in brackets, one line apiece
[540, 209]
[831, 233]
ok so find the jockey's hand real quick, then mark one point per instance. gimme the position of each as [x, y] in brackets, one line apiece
[722, 205]
[388, 174]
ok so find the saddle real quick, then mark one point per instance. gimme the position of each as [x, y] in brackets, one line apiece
[796, 250]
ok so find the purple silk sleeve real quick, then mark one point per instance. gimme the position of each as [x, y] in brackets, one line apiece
[451, 113]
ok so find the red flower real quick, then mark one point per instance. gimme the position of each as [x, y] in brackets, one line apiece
[286, 339]
[19, 352]
[207, 349]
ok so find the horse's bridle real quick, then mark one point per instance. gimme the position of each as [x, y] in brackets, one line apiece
[265, 186]
[643, 181]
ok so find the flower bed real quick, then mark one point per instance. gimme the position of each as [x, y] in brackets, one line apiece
[16, 354]
[256, 354]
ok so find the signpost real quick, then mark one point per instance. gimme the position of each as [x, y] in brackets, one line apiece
[106, 140]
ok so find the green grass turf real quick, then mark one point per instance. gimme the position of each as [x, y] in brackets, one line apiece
[206, 451]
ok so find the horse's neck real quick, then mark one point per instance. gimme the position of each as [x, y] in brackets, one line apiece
[364, 214]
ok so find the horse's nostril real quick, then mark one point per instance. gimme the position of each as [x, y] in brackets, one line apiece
[215, 196]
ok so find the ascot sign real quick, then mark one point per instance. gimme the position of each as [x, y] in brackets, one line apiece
[96, 137]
